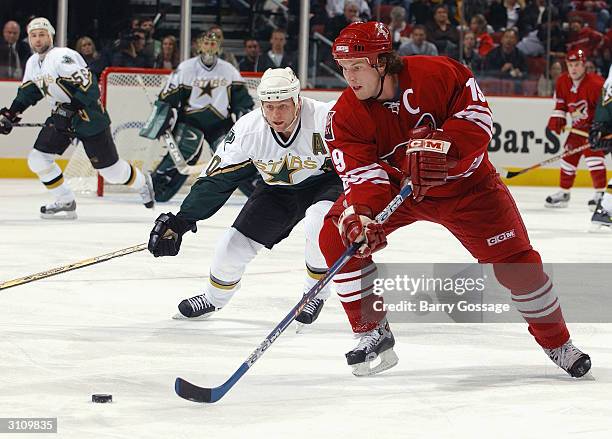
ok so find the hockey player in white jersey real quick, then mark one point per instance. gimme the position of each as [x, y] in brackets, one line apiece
[200, 101]
[61, 75]
[284, 143]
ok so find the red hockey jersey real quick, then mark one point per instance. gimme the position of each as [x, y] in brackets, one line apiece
[579, 102]
[368, 138]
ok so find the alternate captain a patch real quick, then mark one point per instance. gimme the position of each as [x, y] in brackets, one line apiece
[329, 127]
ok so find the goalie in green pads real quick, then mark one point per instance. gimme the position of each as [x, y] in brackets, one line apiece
[201, 101]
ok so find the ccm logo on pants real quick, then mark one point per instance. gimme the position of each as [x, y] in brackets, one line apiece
[494, 240]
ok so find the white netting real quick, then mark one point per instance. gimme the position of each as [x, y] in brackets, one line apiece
[129, 95]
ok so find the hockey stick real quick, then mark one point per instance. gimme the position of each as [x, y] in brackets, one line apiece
[173, 149]
[29, 125]
[512, 174]
[191, 392]
[73, 266]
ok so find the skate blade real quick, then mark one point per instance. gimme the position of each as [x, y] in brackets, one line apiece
[388, 359]
[179, 316]
[59, 216]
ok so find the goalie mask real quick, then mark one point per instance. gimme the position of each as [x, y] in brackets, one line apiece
[209, 47]
[278, 85]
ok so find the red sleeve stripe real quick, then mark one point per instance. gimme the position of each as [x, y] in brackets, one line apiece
[482, 120]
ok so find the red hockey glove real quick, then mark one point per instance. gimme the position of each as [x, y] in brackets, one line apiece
[356, 225]
[426, 163]
[556, 124]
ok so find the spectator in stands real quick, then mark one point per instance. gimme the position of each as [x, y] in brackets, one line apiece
[337, 7]
[130, 49]
[318, 14]
[506, 61]
[417, 44]
[223, 54]
[87, 49]
[277, 57]
[534, 14]
[546, 87]
[135, 24]
[153, 47]
[469, 8]
[470, 56]
[441, 32]
[504, 14]
[339, 22]
[169, 58]
[250, 62]
[557, 38]
[13, 53]
[484, 42]
[597, 7]
[420, 12]
[400, 30]
[583, 37]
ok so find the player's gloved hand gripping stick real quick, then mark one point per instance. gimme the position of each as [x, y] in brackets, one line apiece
[191, 392]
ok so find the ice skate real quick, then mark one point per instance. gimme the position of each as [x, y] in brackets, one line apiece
[558, 199]
[195, 308]
[571, 359]
[373, 344]
[601, 221]
[309, 314]
[59, 210]
[593, 202]
[147, 193]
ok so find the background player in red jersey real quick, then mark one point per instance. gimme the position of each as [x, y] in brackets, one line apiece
[426, 119]
[577, 93]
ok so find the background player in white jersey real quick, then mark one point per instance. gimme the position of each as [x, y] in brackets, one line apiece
[197, 103]
[600, 138]
[284, 142]
[61, 75]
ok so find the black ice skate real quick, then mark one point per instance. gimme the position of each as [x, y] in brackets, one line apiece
[593, 202]
[59, 210]
[309, 314]
[147, 193]
[195, 308]
[376, 343]
[571, 359]
[558, 199]
[601, 218]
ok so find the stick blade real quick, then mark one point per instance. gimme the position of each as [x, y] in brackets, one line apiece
[191, 392]
[509, 174]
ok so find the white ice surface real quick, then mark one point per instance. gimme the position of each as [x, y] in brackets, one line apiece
[107, 329]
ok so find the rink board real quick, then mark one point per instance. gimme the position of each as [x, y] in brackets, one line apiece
[519, 137]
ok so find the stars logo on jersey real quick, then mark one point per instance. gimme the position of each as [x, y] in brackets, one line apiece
[607, 95]
[67, 60]
[329, 127]
[207, 90]
[284, 174]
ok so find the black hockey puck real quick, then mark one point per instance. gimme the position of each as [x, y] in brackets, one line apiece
[101, 398]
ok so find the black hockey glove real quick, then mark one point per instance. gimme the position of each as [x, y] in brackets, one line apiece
[62, 118]
[597, 137]
[7, 119]
[167, 234]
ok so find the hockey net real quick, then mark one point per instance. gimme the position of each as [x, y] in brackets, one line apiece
[128, 95]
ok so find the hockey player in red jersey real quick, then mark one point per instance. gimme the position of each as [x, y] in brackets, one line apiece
[577, 93]
[424, 119]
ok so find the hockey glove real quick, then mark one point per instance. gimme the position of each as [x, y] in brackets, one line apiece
[356, 225]
[597, 137]
[7, 119]
[556, 124]
[167, 234]
[62, 118]
[426, 163]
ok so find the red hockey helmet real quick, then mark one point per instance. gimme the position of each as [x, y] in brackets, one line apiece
[363, 40]
[576, 55]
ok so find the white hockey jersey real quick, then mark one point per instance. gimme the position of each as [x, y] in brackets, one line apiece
[58, 63]
[305, 154]
[210, 86]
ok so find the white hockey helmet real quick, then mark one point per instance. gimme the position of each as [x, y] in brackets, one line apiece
[278, 85]
[41, 23]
